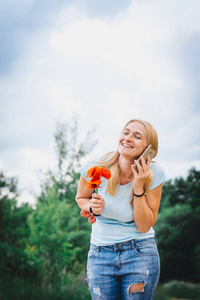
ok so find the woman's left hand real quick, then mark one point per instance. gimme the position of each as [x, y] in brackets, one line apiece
[141, 175]
[97, 203]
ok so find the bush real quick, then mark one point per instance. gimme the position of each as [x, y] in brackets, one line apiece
[23, 289]
[178, 289]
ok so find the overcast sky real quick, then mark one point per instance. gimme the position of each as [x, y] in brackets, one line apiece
[109, 61]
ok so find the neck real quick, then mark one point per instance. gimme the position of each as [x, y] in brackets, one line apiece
[126, 173]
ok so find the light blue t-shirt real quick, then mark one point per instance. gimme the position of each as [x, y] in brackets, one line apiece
[116, 224]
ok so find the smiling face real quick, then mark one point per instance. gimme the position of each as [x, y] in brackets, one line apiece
[133, 140]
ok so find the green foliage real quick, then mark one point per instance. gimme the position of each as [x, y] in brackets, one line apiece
[43, 250]
[59, 239]
[64, 179]
[180, 290]
[59, 236]
[177, 229]
[14, 230]
[21, 288]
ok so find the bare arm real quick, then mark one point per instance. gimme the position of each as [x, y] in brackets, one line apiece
[145, 209]
[86, 198]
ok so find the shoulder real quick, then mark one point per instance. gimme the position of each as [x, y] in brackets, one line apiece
[84, 169]
[157, 169]
[158, 175]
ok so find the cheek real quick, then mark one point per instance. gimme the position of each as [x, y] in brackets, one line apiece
[119, 143]
[120, 139]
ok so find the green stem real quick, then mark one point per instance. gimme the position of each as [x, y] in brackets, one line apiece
[96, 191]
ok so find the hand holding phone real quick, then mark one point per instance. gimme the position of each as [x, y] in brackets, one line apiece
[149, 151]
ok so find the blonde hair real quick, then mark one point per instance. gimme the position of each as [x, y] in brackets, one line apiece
[111, 159]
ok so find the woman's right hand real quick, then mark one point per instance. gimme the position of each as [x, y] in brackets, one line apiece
[97, 204]
[141, 175]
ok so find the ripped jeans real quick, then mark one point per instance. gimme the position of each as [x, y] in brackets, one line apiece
[123, 271]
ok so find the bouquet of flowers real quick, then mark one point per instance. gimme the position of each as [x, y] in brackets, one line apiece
[94, 183]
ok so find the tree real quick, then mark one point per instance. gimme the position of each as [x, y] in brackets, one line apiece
[59, 236]
[177, 228]
[69, 154]
[14, 229]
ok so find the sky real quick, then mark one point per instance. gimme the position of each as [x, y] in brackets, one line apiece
[106, 61]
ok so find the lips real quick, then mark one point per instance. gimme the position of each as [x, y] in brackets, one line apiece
[126, 145]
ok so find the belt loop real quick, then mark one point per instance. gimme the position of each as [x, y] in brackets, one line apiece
[98, 248]
[133, 244]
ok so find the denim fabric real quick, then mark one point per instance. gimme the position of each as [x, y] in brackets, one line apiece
[111, 270]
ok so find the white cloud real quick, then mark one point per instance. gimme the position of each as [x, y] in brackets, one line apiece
[109, 70]
[26, 197]
[128, 47]
[176, 170]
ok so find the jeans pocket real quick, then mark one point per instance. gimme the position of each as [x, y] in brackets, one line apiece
[92, 252]
[147, 248]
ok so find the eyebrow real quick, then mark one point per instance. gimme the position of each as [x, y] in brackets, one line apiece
[136, 132]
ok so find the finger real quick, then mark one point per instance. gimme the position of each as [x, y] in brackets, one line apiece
[95, 201]
[139, 167]
[96, 196]
[148, 161]
[97, 206]
[146, 165]
[134, 170]
[143, 163]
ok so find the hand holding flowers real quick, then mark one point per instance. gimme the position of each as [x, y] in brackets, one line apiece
[94, 183]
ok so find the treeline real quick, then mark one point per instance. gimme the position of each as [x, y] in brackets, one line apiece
[177, 228]
[43, 250]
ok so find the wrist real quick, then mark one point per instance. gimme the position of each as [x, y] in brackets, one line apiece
[93, 213]
[139, 196]
[138, 191]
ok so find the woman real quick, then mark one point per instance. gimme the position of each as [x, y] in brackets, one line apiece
[123, 261]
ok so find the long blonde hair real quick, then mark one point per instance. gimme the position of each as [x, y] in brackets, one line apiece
[111, 159]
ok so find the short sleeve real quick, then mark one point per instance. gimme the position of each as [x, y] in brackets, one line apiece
[158, 175]
[83, 171]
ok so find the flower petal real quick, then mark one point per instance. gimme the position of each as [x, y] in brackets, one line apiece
[85, 213]
[92, 219]
[94, 173]
[93, 186]
[105, 173]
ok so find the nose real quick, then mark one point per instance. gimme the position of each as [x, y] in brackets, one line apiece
[128, 138]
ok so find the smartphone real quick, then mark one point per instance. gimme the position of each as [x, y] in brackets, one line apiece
[149, 151]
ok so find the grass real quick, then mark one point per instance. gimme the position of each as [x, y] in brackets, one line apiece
[22, 289]
[178, 290]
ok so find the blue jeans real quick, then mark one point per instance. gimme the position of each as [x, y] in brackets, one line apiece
[113, 270]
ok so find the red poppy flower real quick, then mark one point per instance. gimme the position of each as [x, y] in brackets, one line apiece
[92, 219]
[94, 173]
[95, 180]
[105, 173]
[85, 213]
[94, 183]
